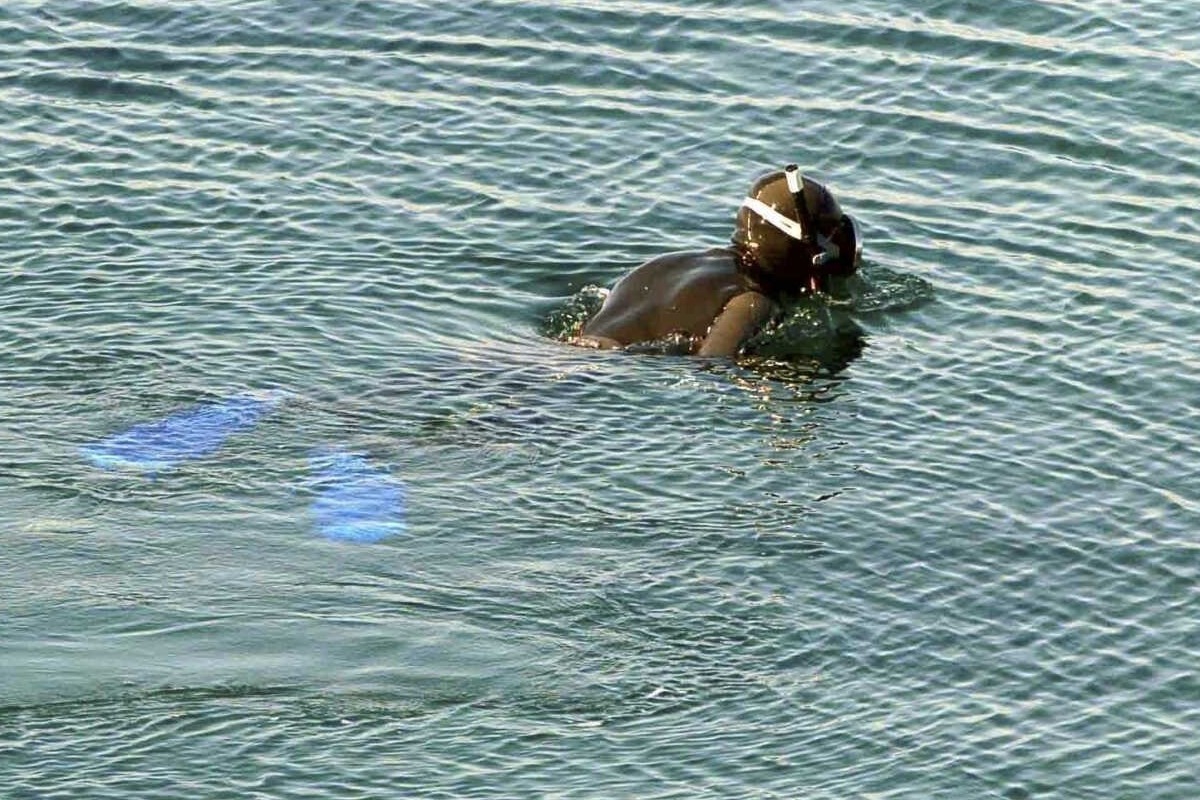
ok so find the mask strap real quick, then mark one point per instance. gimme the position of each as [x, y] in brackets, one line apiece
[789, 226]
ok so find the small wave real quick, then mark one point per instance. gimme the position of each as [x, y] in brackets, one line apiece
[98, 89]
[107, 58]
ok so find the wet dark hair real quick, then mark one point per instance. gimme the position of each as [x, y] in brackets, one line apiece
[780, 263]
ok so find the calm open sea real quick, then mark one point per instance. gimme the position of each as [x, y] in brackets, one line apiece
[942, 542]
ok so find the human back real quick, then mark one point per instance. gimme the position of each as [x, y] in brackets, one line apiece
[673, 295]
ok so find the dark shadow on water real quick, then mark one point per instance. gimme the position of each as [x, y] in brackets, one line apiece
[813, 338]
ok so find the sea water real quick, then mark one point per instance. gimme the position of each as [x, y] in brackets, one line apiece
[943, 542]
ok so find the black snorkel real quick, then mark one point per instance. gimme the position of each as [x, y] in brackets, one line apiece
[821, 249]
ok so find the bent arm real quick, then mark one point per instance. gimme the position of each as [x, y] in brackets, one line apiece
[741, 317]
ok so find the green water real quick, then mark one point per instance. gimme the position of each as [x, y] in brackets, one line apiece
[952, 553]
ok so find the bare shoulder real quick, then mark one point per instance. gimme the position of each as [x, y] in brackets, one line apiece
[671, 293]
[695, 263]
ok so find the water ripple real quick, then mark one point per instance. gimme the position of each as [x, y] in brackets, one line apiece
[951, 553]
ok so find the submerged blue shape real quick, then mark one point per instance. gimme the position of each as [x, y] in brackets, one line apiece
[355, 500]
[188, 434]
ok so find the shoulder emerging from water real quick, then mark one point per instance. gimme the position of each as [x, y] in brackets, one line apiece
[790, 238]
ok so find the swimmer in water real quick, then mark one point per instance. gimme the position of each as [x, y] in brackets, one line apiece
[790, 238]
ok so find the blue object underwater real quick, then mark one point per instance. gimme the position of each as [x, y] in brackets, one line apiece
[188, 434]
[355, 500]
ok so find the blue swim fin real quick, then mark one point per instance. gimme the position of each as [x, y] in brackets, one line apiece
[355, 501]
[188, 434]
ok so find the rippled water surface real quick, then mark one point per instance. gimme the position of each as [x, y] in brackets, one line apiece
[944, 544]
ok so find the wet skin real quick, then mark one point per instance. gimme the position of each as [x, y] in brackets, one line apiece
[701, 295]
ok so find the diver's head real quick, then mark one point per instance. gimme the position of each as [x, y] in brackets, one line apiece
[795, 231]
